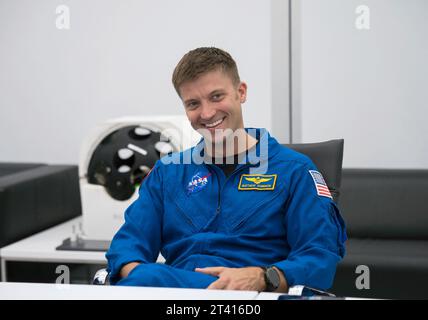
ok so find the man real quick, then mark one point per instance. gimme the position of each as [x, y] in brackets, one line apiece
[251, 216]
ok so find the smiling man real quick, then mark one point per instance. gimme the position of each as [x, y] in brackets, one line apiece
[228, 223]
[212, 101]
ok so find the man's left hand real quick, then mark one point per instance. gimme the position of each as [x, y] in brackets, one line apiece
[248, 278]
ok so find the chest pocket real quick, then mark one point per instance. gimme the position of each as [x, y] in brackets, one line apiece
[195, 207]
[253, 198]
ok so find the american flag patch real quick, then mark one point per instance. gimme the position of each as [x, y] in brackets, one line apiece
[320, 185]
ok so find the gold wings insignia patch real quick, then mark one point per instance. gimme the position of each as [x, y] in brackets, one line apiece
[258, 180]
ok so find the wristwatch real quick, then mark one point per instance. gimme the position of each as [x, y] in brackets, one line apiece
[272, 279]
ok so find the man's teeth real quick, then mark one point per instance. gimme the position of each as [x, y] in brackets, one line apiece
[210, 125]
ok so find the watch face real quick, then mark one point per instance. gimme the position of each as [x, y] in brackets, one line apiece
[273, 277]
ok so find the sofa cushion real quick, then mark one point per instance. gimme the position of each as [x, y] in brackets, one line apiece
[397, 269]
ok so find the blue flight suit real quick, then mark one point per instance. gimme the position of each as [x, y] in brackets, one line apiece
[196, 217]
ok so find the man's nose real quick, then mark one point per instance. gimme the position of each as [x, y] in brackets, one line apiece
[207, 111]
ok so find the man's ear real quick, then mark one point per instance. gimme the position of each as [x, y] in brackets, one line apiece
[242, 90]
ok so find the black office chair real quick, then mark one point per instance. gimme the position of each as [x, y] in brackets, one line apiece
[327, 156]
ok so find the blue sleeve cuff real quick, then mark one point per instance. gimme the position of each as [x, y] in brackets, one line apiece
[115, 266]
[310, 271]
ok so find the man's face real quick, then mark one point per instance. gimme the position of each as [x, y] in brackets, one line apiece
[213, 103]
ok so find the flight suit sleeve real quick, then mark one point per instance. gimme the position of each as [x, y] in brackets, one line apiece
[315, 232]
[139, 238]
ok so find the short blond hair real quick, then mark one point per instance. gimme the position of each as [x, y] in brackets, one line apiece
[202, 60]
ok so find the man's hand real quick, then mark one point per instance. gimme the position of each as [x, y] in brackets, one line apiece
[126, 269]
[248, 278]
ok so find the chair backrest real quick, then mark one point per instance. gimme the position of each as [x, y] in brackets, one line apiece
[328, 157]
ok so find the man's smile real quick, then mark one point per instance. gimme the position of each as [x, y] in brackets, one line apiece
[214, 124]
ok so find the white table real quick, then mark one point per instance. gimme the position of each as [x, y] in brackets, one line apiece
[268, 296]
[50, 291]
[41, 248]
[33, 291]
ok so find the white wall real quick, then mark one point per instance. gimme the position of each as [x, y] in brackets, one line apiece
[368, 86]
[116, 59]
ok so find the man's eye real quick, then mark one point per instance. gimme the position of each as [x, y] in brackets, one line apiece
[217, 97]
[192, 105]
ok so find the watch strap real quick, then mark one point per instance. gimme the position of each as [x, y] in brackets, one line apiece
[270, 287]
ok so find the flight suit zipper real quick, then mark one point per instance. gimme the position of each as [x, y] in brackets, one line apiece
[221, 188]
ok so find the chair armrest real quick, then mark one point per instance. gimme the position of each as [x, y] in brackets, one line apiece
[101, 277]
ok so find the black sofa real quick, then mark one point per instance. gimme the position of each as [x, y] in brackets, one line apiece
[34, 197]
[386, 214]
